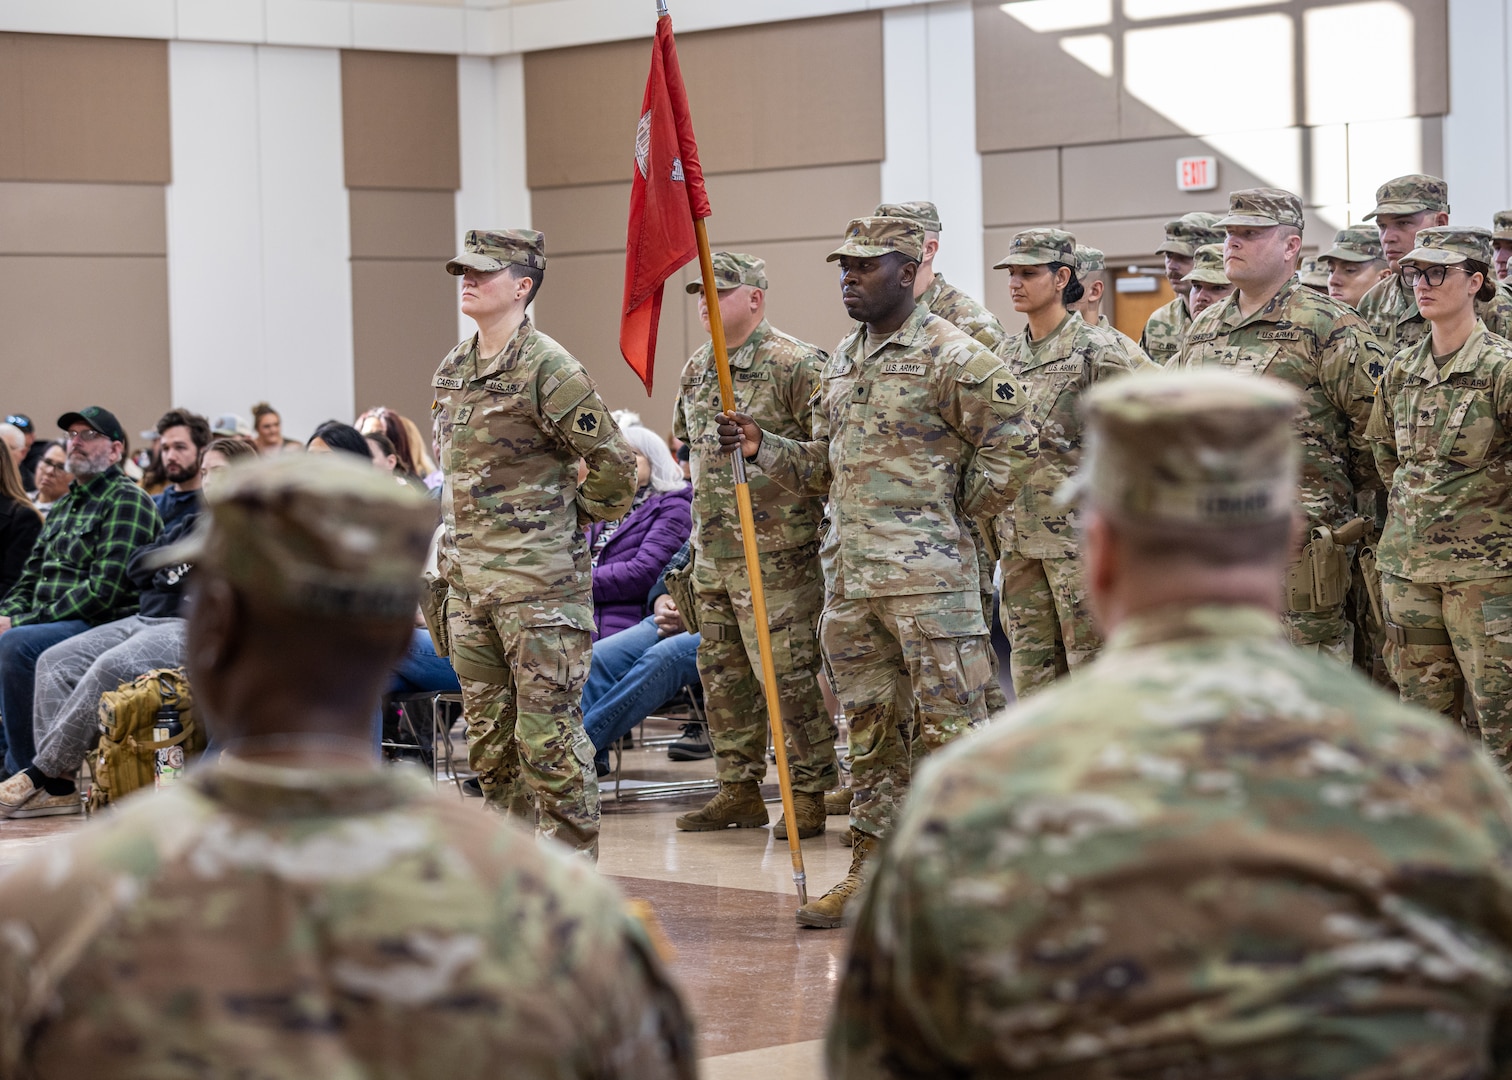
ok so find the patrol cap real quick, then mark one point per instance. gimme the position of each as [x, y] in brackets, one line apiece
[1263, 208]
[1312, 272]
[1189, 232]
[102, 420]
[1207, 266]
[22, 421]
[1191, 448]
[1089, 260]
[1358, 243]
[1501, 230]
[494, 249]
[1036, 247]
[1445, 245]
[732, 270]
[871, 237]
[1411, 194]
[925, 214]
[323, 533]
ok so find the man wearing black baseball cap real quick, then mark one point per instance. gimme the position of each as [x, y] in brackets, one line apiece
[34, 449]
[75, 577]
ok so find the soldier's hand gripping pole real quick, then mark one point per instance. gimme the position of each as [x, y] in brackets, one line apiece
[753, 565]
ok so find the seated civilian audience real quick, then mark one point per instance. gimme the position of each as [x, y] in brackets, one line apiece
[387, 460]
[76, 575]
[53, 477]
[409, 448]
[333, 436]
[231, 426]
[33, 449]
[20, 522]
[13, 443]
[635, 671]
[182, 438]
[269, 436]
[73, 674]
[629, 554]
[292, 909]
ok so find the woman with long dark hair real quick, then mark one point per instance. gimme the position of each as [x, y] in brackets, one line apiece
[20, 523]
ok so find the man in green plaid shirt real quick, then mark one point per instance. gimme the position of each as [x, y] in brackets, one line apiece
[76, 575]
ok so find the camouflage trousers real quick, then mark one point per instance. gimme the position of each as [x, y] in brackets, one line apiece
[938, 645]
[1049, 625]
[729, 666]
[522, 689]
[1476, 663]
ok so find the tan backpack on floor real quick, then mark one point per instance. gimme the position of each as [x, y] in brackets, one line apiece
[126, 757]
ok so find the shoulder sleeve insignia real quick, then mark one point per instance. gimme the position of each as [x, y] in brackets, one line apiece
[1004, 391]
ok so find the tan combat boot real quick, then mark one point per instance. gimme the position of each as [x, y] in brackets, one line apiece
[738, 804]
[837, 802]
[808, 808]
[828, 912]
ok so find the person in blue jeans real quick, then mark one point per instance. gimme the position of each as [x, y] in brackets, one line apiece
[418, 671]
[638, 669]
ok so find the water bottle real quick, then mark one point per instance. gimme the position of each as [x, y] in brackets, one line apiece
[168, 768]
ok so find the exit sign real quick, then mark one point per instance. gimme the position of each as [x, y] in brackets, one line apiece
[1196, 173]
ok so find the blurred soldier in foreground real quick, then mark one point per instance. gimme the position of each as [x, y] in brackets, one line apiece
[295, 910]
[1354, 264]
[916, 429]
[1206, 854]
[1168, 325]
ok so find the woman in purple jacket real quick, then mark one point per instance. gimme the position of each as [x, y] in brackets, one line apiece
[629, 554]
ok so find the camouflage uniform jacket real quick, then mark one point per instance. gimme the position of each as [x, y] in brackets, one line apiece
[1205, 854]
[1325, 350]
[964, 313]
[267, 921]
[1443, 443]
[773, 377]
[1054, 374]
[892, 433]
[1164, 330]
[1392, 313]
[511, 430]
[1129, 343]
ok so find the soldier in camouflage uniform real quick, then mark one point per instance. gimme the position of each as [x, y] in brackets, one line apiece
[513, 414]
[1313, 274]
[1442, 434]
[975, 321]
[1055, 359]
[1501, 243]
[1168, 324]
[903, 406]
[1272, 326]
[294, 910]
[774, 376]
[1206, 854]
[1354, 264]
[1403, 207]
[1096, 282]
[1210, 285]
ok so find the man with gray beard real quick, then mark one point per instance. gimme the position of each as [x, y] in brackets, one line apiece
[76, 576]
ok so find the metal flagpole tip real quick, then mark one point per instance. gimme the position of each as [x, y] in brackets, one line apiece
[661, 8]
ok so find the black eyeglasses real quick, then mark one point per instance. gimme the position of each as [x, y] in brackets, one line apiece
[1433, 275]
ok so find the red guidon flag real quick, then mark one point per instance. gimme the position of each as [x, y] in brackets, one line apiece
[666, 196]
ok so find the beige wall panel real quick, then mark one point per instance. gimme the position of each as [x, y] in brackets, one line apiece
[1030, 93]
[580, 307]
[582, 220]
[1138, 179]
[403, 224]
[1431, 39]
[399, 120]
[82, 219]
[820, 100]
[404, 321]
[83, 109]
[1020, 185]
[48, 368]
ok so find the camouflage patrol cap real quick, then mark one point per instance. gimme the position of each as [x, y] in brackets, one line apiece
[925, 214]
[732, 269]
[494, 249]
[1207, 266]
[320, 533]
[1501, 225]
[1036, 247]
[1358, 243]
[1411, 194]
[1189, 232]
[1089, 260]
[870, 237]
[1445, 245]
[1313, 273]
[1190, 448]
[1263, 208]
